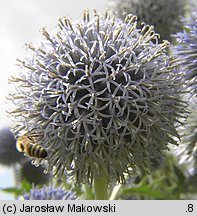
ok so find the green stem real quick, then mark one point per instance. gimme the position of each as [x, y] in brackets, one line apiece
[100, 186]
[87, 192]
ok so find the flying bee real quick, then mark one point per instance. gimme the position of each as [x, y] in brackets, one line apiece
[27, 143]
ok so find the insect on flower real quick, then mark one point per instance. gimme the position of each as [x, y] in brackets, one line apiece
[27, 143]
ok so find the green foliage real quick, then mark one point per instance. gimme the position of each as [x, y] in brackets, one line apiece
[171, 181]
[17, 191]
[13, 190]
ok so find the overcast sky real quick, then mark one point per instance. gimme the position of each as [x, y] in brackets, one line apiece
[20, 21]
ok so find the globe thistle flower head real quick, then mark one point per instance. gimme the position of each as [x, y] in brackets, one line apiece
[186, 49]
[8, 152]
[48, 193]
[103, 93]
[188, 147]
[32, 174]
[162, 14]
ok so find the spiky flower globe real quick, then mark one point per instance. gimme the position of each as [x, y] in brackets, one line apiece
[163, 14]
[48, 193]
[186, 49]
[188, 148]
[104, 95]
[32, 174]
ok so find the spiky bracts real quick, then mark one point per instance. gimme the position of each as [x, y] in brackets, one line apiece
[103, 93]
[164, 15]
[186, 51]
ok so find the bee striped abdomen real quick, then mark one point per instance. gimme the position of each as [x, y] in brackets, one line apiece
[40, 152]
[36, 151]
[28, 145]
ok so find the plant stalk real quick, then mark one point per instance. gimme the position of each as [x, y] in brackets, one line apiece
[101, 186]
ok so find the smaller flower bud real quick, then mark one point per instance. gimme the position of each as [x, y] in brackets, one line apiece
[48, 193]
[34, 175]
[162, 14]
[8, 152]
[186, 49]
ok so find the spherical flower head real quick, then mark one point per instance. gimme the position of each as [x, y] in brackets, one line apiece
[103, 93]
[8, 152]
[32, 174]
[163, 14]
[188, 147]
[48, 193]
[186, 49]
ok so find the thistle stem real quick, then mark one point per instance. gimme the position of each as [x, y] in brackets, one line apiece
[100, 186]
[87, 192]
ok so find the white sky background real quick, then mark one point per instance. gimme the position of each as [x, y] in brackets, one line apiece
[20, 21]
